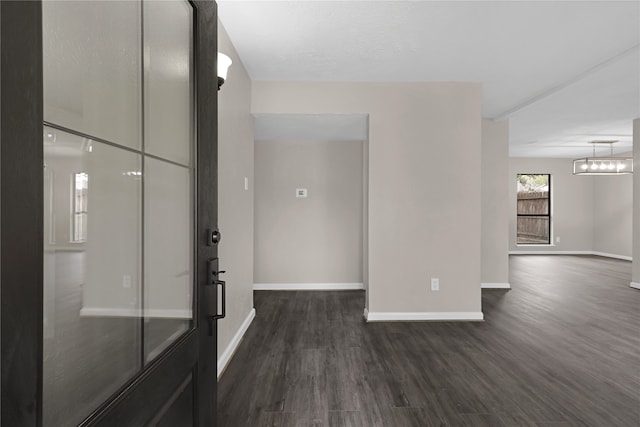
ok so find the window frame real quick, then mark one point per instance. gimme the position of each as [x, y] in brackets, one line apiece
[548, 215]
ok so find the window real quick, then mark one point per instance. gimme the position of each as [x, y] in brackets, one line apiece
[79, 220]
[534, 209]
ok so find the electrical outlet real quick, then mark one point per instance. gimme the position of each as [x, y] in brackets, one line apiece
[557, 239]
[126, 281]
[435, 284]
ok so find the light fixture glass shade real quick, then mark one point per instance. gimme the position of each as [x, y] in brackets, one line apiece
[603, 166]
[224, 62]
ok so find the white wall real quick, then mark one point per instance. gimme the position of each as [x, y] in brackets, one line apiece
[495, 204]
[317, 239]
[571, 205]
[235, 204]
[424, 211]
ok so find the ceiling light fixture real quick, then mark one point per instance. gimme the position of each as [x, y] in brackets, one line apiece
[224, 62]
[606, 165]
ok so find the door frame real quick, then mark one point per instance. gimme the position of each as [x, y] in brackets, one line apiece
[155, 387]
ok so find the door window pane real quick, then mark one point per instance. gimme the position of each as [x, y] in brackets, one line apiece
[168, 80]
[91, 285]
[168, 255]
[92, 63]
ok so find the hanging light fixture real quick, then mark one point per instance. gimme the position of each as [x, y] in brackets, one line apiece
[603, 165]
[224, 62]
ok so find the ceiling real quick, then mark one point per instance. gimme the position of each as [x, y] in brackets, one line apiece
[563, 73]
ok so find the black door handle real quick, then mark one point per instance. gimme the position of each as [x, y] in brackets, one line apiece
[222, 284]
[211, 294]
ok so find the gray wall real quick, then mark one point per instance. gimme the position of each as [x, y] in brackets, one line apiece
[635, 275]
[495, 203]
[571, 205]
[317, 239]
[424, 214]
[613, 215]
[235, 204]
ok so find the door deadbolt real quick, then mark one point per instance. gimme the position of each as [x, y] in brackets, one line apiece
[214, 237]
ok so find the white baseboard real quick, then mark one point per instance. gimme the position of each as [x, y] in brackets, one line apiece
[135, 312]
[495, 285]
[550, 252]
[228, 352]
[596, 253]
[635, 285]
[423, 316]
[623, 257]
[307, 286]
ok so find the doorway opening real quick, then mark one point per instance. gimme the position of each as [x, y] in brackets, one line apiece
[311, 201]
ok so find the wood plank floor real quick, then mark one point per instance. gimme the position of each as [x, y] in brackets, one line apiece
[561, 348]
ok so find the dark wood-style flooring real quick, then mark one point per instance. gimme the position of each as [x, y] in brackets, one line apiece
[561, 348]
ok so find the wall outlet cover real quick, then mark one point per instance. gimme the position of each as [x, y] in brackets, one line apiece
[301, 193]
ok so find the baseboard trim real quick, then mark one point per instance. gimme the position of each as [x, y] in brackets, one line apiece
[228, 352]
[606, 255]
[495, 285]
[596, 253]
[307, 286]
[423, 316]
[135, 312]
[550, 252]
[635, 285]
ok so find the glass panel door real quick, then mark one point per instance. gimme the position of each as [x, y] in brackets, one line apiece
[119, 198]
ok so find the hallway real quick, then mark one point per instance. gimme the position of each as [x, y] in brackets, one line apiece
[559, 349]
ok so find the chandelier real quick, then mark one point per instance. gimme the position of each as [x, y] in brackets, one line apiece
[603, 165]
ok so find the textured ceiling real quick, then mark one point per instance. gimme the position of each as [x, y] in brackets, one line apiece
[564, 73]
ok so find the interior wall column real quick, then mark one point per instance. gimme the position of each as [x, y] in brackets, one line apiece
[635, 275]
[494, 272]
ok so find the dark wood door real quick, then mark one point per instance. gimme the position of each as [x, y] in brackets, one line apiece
[173, 386]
